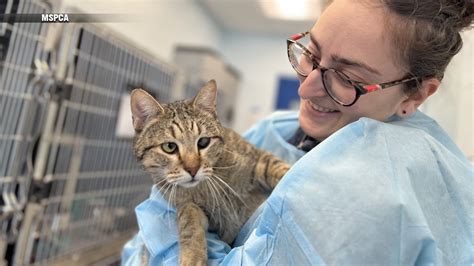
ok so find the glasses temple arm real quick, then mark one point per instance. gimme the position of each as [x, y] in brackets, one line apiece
[298, 36]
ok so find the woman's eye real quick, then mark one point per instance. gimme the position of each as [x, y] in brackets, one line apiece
[344, 80]
[203, 142]
[353, 77]
[169, 147]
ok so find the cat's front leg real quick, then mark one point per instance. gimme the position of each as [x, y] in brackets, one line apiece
[192, 226]
[270, 169]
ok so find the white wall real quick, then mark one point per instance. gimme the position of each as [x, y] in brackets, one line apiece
[260, 59]
[452, 105]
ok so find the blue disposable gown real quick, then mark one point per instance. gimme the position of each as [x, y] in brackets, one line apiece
[379, 193]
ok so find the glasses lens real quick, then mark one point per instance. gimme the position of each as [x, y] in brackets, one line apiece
[338, 87]
[300, 60]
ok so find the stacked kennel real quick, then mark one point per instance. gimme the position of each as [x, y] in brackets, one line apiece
[24, 83]
[69, 182]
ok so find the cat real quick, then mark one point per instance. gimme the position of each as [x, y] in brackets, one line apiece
[212, 176]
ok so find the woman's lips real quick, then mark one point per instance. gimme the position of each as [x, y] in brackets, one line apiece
[320, 111]
[320, 108]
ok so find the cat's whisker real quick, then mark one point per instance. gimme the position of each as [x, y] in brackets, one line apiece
[167, 186]
[159, 183]
[173, 189]
[231, 152]
[169, 206]
[226, 196]
[215, 189]
[154, 196]
[173, 194]
[228, 202]
[224, 167]
[218, 195]
[213, 196]
[224, 199]
[163, 189]
[231, 189]
[218, 191]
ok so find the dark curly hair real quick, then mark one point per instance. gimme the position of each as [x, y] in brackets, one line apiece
[426, 34]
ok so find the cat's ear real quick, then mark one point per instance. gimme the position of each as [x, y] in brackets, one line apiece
[206, 97]
[143, 106]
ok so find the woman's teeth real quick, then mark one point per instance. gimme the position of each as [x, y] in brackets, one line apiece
[321, 109]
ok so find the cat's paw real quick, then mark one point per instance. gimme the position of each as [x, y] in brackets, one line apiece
[281, 170]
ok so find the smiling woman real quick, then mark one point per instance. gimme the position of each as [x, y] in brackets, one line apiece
[367, 58]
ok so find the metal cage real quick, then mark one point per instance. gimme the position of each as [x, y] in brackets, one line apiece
[23, 85]
[92, 179]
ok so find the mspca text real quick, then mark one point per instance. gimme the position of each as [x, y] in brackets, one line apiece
[54, 17]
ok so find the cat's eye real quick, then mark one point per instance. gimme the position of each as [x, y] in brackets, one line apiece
[169, 147]
[203, 142]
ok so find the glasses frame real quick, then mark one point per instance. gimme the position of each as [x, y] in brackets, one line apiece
[360, 87]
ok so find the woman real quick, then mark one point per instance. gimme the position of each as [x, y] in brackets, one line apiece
[384, 185]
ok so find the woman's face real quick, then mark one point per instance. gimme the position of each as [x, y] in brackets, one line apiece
[350, 37]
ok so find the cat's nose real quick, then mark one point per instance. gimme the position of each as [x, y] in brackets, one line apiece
[192, 170]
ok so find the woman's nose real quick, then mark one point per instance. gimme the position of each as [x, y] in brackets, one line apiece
[312, 85]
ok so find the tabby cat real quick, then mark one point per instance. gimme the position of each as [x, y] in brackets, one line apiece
[213, 177]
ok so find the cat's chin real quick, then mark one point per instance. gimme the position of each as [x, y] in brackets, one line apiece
[190, 184]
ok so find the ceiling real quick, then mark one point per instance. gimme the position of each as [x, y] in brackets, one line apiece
[247, 16]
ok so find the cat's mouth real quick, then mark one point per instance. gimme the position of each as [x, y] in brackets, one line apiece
[185, 180]
[190, 183]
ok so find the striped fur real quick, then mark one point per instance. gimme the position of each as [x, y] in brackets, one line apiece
[232, 177]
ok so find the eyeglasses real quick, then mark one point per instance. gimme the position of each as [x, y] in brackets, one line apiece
[337, 85]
